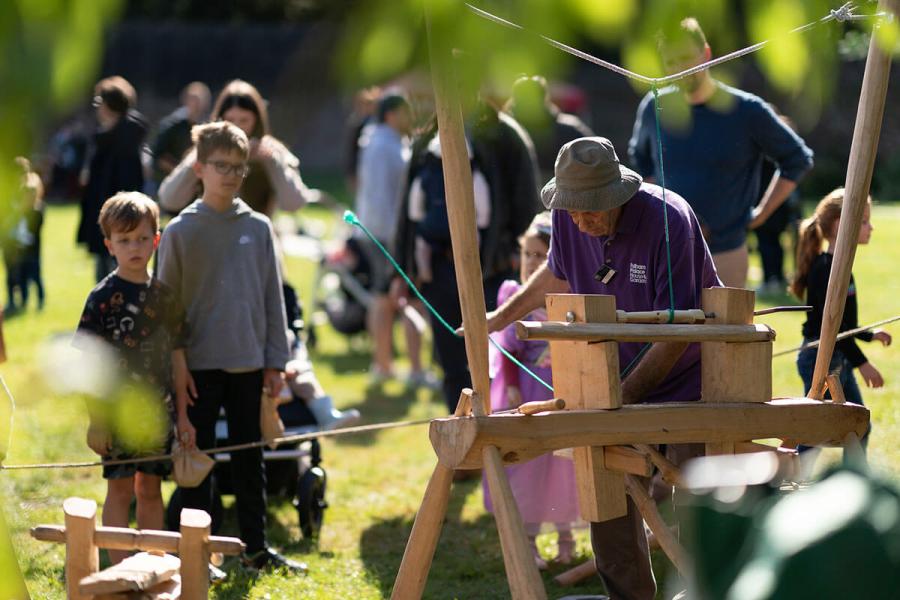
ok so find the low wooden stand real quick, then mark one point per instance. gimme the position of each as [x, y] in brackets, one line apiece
[153, 574]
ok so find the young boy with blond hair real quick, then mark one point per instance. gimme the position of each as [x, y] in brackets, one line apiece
[141, 321]
[219, 256]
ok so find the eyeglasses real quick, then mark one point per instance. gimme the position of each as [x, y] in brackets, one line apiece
[224, 168]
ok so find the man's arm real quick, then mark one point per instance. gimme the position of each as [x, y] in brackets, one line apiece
[651, 370]
[778, 191]
[529, 297]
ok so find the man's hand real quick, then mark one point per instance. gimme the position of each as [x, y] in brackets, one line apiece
[871, 375]
[882, 336]
[98, 439]
[273, 381]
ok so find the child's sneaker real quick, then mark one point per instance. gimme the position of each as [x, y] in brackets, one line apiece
[423, 379]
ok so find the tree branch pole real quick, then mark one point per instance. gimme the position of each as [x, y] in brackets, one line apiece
[859, 178]
[460, 207]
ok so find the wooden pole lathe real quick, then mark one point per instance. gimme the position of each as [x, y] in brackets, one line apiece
[859, 178]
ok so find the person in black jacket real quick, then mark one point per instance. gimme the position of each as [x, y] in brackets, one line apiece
[813, 272]
[548, 126]
[505, 155]
[113, 163]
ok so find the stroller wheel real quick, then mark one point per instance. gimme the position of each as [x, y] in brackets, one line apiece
[310, 502]
[176, 503]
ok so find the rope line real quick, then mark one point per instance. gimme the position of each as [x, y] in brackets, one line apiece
[352, 219]
[841, 336]
[300, 437]
[841, 14]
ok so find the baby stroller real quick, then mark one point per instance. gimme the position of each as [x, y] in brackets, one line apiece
[293, 470]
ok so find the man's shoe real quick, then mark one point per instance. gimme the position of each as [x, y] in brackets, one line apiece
[270, 560]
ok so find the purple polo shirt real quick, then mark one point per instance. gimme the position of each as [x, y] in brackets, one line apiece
[637, 252]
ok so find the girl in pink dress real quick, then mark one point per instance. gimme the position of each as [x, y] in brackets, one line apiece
[544, 488]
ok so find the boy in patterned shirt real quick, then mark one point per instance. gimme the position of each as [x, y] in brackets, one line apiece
[141, 321]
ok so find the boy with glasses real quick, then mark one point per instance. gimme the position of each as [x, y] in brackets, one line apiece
[219, 256]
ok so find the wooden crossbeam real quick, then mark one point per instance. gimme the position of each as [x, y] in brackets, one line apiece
[459, 442]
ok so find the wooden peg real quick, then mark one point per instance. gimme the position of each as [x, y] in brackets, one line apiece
[193, 550]
[671, 474]
[532, 408]
[835, 388]
[82, 555]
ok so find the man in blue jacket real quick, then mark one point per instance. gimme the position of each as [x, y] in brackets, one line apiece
[715, 138]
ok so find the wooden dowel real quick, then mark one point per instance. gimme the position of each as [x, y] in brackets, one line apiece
[836, 389]
[853, 450]
[661, 316]
[426, 530]
[856, 191]
[638, 332]
[460, 207]
[669, 471]
[576, 574]
[82, 556]
[144, 540]
[521, 571]
[532, 408]
[667, 540]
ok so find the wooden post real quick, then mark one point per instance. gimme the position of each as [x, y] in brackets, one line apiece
[193, 550]
[864, 147]
[521, 571]
[586, 376]
[460, 208]
[733, 372]
[82, 556]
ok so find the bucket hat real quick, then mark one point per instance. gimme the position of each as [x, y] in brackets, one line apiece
[589, 177]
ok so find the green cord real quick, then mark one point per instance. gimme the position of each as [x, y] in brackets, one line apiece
[662, 184]
[352, 219]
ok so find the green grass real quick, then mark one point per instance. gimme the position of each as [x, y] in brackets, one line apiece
[376, 480]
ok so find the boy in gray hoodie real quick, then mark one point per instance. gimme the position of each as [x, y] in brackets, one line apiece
[219, 256]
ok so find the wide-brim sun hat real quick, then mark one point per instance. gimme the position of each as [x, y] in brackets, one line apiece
[589, 177]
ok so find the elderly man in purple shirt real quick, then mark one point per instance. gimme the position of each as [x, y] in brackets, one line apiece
[609, 237]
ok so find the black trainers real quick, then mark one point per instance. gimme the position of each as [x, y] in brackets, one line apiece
[270, 560]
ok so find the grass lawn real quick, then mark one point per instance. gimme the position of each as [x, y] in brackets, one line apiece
[375, 481]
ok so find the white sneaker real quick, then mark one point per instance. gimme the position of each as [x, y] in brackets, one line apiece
[423, 379]
[328, 417]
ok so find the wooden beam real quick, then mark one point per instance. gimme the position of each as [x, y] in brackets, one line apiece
[426, 530]
[458, 442]
[460, 207]
[626, 459]
[667, 540]
[82, 556]
[121, 538]
[863, 150]
[521, 571]
[640, 332]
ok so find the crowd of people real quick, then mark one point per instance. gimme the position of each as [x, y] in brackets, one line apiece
[556, 211]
